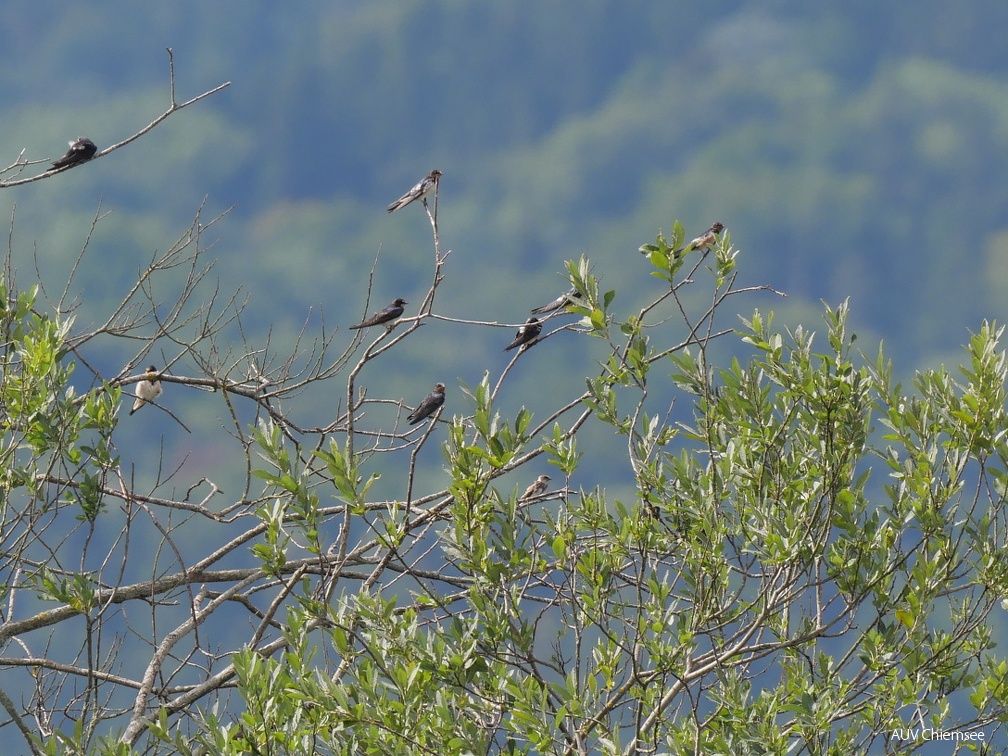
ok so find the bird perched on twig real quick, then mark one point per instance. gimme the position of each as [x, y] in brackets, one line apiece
[147, 390]
[390, 313]
[705, 240]
[429, 405]
[81, 149]
[563, 300]
[538, 488]
[420, 191]
[526, 334]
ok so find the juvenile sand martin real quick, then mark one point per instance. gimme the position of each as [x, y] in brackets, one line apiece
[147, 390]
[420, 191]
[391, 312]
[429, 405]
[538, 488]
[81, 149]
[563, 300]
[526, 334]
[704, 241]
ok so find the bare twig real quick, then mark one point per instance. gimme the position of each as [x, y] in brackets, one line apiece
[174, 107]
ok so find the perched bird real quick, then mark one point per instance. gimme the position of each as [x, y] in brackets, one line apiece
[526, 334]
[81, 149]
[391, 312]
[147, 390]
[429, 405]
[703, 241]
[538, 488]
[563, 300]
[420, 191]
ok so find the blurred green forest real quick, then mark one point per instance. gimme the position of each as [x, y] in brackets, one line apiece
[852, 150]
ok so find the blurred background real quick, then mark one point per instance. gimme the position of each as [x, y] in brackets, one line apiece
[854, 150]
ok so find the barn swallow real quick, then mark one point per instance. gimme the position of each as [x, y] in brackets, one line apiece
[538, 488]
[429, 405]
[563, 300]
[526, 334]
[147, 390]
[391, 312]
[420, 191]
[80, 150]
[704, 241]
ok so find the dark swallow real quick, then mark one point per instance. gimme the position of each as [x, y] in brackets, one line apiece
[429, 405]
[391, 312]
[80, 150]
[538, 488]
[526, 334]
[147, 390]
[704, 241]
[563, 300]
[420, 191]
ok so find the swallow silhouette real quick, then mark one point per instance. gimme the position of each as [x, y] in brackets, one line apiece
[526, 334]
[429, 405]
[420, 191]
[563, 300]
[81, 149]
[705, 240]
[390, 313]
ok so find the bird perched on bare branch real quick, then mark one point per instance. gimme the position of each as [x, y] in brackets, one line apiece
[147, 390]
[429, 405]
[526, 334]
[390, 313]
[81, 149]
[538, 488]
[420, 191]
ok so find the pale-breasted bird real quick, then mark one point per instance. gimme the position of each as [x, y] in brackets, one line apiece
[563, 300]
[81, 149]
[526, 334]
[705, 240]
[147, 390]
[538, 488]
[420, 191]
[390, 313]
[429, 405]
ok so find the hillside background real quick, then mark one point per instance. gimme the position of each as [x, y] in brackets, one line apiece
[853, 151]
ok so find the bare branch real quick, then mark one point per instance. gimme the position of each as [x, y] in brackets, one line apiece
[174, 107]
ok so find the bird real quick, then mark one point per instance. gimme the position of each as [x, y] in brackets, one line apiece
[420, 191]
[538, 488]
[526, 334]
[429, 405]
[391, 312]
[147, 390]
[81, 149]
[563, 300]
[705, 240]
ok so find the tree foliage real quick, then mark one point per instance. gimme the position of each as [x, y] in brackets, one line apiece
[807, 564]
